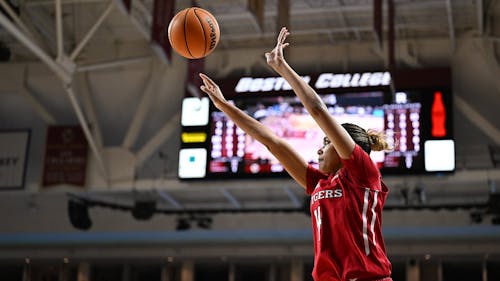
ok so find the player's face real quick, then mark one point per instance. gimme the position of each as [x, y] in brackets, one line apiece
[328, 158]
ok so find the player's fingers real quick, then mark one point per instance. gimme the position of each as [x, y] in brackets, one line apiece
[281, 36]
[203, 78]
[208, 81]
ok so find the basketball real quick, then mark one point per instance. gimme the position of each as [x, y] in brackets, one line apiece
[193, 33]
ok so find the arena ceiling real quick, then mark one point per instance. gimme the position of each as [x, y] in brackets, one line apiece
[45, 29]
[312, 21]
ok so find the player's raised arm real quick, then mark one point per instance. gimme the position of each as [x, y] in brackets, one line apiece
[293, 163]
[339, 137]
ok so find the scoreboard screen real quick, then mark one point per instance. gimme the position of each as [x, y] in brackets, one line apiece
[417, 124]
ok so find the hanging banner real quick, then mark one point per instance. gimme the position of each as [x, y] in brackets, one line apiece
[13, 158]
[65, 156]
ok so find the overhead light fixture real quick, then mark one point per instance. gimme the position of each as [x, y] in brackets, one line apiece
[5, 52]
[204, 222]
[78, 213]
[494, 203]
[495, 220]
[306, 205]
[144, 210]
[494, 155]
[421, 194]
[183, 224]
[476, 217]
[406, 196]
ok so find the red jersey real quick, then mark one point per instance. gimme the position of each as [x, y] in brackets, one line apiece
[346, 212]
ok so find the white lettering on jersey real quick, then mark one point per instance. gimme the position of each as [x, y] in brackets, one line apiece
[327, 194]
[365, 222]
[365, 219]
[374, 216]
[317, 215]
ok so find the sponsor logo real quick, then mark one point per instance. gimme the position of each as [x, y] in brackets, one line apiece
[213, 36]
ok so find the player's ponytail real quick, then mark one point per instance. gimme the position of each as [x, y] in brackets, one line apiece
[367, 140]
[377, 141]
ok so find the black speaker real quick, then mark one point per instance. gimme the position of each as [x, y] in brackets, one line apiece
[183, 224]
[144, 210]
[494, 204]
[79, 215]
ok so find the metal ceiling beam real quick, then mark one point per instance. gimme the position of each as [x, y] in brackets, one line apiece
[143, 23]
[480, 17]
[168, 198]
[295, 201]
[86, 93]
[6, 7]
[456, 182]
[487, 52]
[378, 20]
[63, 2]
[145, 12]
[231, 198]
[86, 130]
[142, 109]
[111, 64]
[92, 30]
[367, 28]
[451, 26]
[59, 29]
[46, 116]
[19, 35]
[343, 20]
[412, 7]
[156, 141]
[42, 23]
[66, 79]
[283, 15]
[477, 119]
[256, 13]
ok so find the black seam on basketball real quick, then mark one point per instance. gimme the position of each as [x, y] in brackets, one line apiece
[203, 28]
[185, 35]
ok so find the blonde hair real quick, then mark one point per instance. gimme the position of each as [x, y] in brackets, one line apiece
[367, 140]
[378, 141]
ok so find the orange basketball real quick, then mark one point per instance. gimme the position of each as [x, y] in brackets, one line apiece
[193, 33]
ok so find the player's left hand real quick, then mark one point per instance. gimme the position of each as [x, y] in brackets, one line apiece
[275, 57]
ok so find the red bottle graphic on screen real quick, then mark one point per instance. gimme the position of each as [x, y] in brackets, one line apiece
[438, 116]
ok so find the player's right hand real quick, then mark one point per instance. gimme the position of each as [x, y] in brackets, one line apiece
[212, 90]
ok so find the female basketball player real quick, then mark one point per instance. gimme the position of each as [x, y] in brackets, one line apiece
[347, 193]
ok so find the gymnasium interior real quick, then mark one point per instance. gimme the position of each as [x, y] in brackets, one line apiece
[102, 124]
